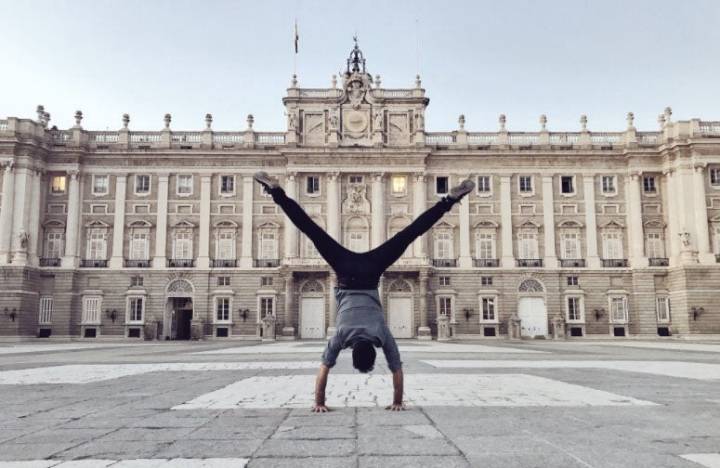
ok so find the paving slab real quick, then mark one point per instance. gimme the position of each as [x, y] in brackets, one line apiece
[444, 461]
[307, 448]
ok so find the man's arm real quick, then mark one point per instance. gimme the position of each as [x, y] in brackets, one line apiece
[397, 404]
[320, 384]
[392, 355]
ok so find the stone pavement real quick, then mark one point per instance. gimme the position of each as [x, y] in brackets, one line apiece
[498, 404]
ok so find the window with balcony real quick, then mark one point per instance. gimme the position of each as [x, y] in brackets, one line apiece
[57, 185]
[54, 243]
[485, 244]
[612, 241]
[654, 245]
[183, 244]
[570, 245]
[100, 184]
[444, 245]
[225, 244]
[268, 245]
[528, 244]
[97, 243]
[140, 243]
[184, 185]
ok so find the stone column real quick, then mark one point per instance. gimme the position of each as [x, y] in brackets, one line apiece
[288, 330]
[508, 259]
[634, 222]
[332, 304]
[70, 260]
[465, 260]
[116, 261]
[203, 258]
[419, 206]
[672, 216]
[549, 221]
[333, 206]
[291, 232]
[378, 210]
[6, 212]
[593, 260]
[21, 214]
[246, 257]
[161, 223]
[701, 220]
[36, 206]
[423, 332]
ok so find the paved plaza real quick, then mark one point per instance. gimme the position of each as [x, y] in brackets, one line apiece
[490, 404]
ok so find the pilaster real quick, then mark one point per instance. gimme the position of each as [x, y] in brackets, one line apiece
[116, 261]
[70, 260]
[159, 261]
[591, 241]
[549, 222]
[508, 259]
[203, 259]
[246, 258]
[378, 210]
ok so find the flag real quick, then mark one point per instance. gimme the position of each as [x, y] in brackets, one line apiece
[297, 37]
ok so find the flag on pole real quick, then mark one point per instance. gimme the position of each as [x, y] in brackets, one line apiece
[297, 37]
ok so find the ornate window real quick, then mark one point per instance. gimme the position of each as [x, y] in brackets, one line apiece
[227, 185]
[570, 244]
[400, 286]
[574, 309]
[525, 184]
[97, 241]
[654, 244]
[444, 244]
[618, 309]
[528, 243]
[135, 309]
[54, 241]
[268, 244]
[531, 285]
[442, 185]
[142, 184]
[612, 240]
[484, 185]
[312, 185]
[398, 184]
[57, 185]
[139, 241]
[567, 185]
[357, 234]
[225, 240]
[649, 185]
[183, 236]
[608, 185]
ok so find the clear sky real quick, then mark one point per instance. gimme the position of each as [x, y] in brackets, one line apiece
[523, 58]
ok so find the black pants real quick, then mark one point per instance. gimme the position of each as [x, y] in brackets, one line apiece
[360, 270]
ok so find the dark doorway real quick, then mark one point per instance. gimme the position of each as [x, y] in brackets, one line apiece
[182, 311]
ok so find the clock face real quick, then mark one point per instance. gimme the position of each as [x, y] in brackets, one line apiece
[356, 121]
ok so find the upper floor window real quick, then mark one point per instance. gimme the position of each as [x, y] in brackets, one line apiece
[57, 184]
[525, 184]
[570, 245]
[715, 176]
[225, 249]
[142, 184]
[442, 185]
[268, 245]
[527, 245]
[399, 184]
[184, 184]
[612, 245]
[312, 185]
[227, 184]
[654, 245]
[608, 185]
[100, 184]
[484, 184]
[97, 244]
[54, 241]
[140, 244]
[567, 185]
[183, 244]
[356, 179]
[443, 245]
[485, 244]
[649, 184]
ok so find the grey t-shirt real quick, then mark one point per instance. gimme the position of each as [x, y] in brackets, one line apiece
[360, 316]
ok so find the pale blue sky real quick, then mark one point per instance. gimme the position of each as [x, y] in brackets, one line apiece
[480, 58]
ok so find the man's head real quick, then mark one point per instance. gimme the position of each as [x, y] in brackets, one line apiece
[364, 356]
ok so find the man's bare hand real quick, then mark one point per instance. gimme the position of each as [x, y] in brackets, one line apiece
[320, 409]
[396, 407]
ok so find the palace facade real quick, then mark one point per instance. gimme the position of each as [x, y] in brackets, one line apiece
[165, 235]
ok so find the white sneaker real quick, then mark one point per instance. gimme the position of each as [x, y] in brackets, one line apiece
[266, 181]
[459, 191]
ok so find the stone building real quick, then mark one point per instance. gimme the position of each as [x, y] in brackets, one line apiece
[164, 234]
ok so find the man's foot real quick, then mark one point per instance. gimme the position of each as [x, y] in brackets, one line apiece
[459, 191]
[266, 181]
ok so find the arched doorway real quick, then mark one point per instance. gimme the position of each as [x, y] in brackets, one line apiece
[178, 315]
[400, 309]
[531, 309]
[312, 310]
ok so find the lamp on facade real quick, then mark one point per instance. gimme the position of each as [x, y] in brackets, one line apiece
[598, 314]
[111, 314]
[12, 313]
[243, 313]
[468, 314]
[697, 312]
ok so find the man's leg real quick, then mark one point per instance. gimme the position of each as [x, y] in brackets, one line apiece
[387, 253]
[328, 247]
